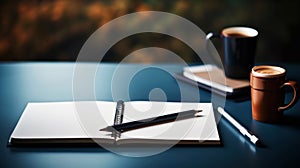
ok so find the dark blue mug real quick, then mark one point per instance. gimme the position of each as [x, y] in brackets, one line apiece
[239, 44]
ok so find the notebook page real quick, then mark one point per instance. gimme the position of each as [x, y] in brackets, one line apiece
[197, 128]
[63, 120]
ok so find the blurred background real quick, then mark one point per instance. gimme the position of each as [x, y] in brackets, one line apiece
[47, 30]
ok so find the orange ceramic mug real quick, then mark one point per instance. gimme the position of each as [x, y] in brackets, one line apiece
[267, 93]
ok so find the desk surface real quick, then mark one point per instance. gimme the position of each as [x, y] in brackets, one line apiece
[26, 82]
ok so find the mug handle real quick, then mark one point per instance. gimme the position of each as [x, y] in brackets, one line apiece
[207, 41]
[295, 87]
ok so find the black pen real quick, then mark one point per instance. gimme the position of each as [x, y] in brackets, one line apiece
[152, 121]
[242, 130]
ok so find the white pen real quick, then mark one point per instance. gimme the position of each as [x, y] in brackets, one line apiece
[238, 126]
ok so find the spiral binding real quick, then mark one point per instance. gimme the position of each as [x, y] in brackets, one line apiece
[118, 117]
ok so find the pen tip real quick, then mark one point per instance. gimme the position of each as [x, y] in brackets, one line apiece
[108, 129]
[259, 144]
[103, 129]
[197, 113]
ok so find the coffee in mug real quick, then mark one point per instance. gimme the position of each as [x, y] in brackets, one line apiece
[267, 93]
[239, 45]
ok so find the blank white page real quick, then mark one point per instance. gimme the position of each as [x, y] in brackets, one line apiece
[196, 128]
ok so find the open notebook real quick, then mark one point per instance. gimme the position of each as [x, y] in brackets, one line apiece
[79, 123]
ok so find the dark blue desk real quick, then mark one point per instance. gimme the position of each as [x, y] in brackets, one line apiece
[25, 82]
